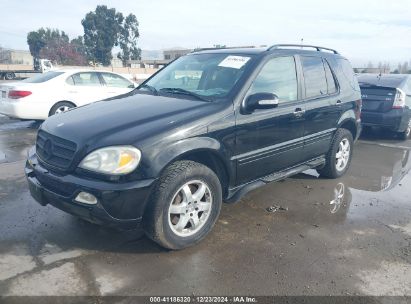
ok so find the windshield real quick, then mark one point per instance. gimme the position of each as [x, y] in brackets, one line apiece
[203, 75]
[42, 77]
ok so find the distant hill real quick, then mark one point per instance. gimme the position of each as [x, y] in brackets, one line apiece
[152, 55]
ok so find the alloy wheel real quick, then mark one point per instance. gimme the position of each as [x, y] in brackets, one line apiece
[342, 156]
[190, 208]
[62, 109]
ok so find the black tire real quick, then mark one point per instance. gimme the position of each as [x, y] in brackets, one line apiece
[9, 76]
[405, 134]
[330, 169]
[60, 105]
[156, 220]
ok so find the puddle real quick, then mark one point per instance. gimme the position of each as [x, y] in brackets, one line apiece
[16, 125]
[2, 157]
[377, 174]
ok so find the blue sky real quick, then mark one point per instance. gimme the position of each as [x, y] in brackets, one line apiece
[362, 30]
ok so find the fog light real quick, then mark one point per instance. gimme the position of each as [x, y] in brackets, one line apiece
[86, 198]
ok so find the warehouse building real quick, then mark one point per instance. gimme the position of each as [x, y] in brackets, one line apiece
[8, 56]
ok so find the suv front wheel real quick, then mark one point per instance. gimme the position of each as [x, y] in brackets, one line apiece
[339, 156]
[184, 206]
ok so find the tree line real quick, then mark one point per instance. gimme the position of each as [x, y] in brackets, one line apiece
[104, 29]
[385, 68]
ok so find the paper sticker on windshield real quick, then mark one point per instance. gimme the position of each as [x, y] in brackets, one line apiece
[234, 62]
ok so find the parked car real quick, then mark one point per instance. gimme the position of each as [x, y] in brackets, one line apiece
[165, 156]
[57, 91]
[386, 102]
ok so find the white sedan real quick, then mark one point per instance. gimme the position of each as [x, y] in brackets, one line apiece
[57, 91]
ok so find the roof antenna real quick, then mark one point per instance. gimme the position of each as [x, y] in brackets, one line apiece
[302, 42]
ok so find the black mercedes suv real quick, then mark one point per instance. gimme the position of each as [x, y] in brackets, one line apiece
[208, 128]
[386, 102]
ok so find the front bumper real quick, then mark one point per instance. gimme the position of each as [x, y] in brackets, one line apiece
[395, 119]
[119, 205]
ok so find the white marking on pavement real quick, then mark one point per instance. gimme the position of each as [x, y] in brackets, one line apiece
[16, 261]
[60, 281]
[391, 279]
[52, 253]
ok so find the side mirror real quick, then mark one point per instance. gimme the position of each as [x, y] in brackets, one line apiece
[261, 101]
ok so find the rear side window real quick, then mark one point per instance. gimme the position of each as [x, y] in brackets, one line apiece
[70, 80]
[42, 77]
[278, 76]
[348, 73]
[116, 81]
[314, 77]
[84, 79]
[331, 85]
[409, 86]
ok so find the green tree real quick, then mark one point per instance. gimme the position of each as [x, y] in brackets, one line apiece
[39, 39]
[128, 40]
[78, 45]
[55, 45]
[36, 41]
[101, 33]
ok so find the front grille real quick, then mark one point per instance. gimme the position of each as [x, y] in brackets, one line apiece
[55, 151]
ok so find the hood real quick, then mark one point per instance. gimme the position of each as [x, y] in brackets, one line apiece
[137, 117]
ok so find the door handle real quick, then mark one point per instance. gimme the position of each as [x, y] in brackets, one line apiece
[299, 112]
[338, 102]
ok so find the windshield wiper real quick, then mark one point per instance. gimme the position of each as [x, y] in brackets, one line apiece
[149, 87]
[184, 92]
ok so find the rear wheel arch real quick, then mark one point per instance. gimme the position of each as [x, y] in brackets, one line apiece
[350, 125]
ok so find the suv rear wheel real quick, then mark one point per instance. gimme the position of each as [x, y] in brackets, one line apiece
[404, 135]
[339, 156]
[184, 206]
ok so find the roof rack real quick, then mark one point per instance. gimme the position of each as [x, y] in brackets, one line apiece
[318, 48]
[223, 48]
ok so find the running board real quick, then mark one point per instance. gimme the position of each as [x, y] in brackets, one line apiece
[235, 194]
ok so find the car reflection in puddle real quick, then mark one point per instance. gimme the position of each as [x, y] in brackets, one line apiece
[374, 170]
[339, 193]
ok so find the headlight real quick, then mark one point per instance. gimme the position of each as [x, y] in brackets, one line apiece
[112, 160]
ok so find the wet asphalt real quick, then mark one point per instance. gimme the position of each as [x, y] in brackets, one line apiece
[350, 236]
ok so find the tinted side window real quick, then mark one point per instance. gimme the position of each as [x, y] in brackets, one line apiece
[116, 81]
[86, 79]
[331, 85]
[278, 76]
[314, 77]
